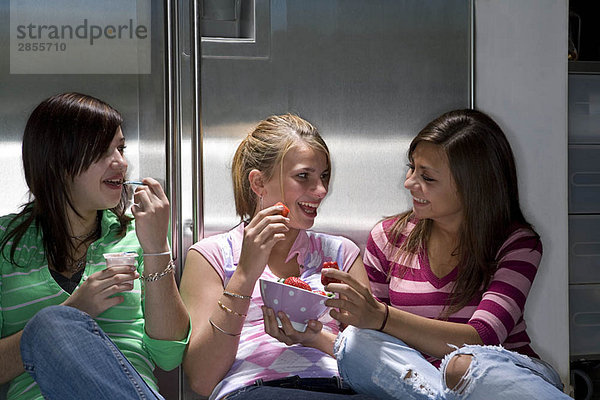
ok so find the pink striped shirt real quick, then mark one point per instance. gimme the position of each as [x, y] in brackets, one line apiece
[260, 356]
[496, 313]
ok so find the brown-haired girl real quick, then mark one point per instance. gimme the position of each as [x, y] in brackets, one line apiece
[451, 275]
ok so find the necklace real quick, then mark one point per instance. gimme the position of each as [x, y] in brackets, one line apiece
[91, 233]
[78, 265]
[86, 236]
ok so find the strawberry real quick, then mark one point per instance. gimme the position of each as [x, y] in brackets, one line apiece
[297, 282]
[325, 280]
[285, 210]
[322, 293]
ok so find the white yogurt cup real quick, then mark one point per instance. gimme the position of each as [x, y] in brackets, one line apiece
[122, 258]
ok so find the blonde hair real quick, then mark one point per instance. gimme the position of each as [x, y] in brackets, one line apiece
[264, 149]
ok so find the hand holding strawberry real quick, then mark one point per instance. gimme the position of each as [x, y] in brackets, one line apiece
[285, 211]
[326, 280]
[265, 230]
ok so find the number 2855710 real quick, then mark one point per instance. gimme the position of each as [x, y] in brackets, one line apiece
[35, 46]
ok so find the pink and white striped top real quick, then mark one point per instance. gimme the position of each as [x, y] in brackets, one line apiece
[496, 314]
[259, 355]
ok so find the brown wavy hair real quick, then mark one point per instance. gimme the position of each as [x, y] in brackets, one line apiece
[483, 168]
[64, 136]
[264, 149]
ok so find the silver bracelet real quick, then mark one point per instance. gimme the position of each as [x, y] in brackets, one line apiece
[222, 330]
[157, 275]
[236, 295]
[164, 253]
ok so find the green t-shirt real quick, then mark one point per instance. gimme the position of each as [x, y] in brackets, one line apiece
[24, 291]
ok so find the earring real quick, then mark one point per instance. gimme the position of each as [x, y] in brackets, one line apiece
[260, 203]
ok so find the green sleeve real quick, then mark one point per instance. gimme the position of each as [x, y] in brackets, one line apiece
[1, 317]
[167, 354]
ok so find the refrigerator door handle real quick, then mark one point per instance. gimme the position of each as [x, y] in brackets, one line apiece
[173, 125]
[197, 167]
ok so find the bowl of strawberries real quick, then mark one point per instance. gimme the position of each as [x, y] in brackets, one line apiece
[295, 298]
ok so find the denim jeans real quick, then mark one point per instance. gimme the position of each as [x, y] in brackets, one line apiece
[70, 357]
[295, 387]
[384, 367]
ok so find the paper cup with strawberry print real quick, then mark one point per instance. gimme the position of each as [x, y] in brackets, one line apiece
[300, 305]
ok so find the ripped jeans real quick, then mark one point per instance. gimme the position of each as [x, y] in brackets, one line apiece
[380, 365]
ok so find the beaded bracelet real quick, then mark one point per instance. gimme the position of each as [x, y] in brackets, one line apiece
[222, 330]
[157, 275]
[236, 295]
[229, 310]
[387, 314]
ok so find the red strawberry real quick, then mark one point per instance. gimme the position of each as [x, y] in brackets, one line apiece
[320, 292]
[297, 282]
[285, 210]
[326, 280]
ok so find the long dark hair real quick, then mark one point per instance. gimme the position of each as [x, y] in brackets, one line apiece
[483, 168]
[64, 136]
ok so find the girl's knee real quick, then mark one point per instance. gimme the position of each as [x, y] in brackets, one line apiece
[46, 318]
[51, 322]
[56, 315]
[456, 371]
[41, 329]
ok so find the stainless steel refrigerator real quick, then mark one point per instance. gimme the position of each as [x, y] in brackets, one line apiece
[368, 73]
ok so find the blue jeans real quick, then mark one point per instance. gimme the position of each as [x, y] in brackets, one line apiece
[70, 357]
[384, 367]
[294, 387]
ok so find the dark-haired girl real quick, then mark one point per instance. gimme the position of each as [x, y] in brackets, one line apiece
[71, 328]
[452, 277]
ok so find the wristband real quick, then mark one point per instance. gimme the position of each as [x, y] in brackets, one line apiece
[387, 314]
[164, 253]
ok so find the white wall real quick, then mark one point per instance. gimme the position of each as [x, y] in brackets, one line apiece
[521, 81]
